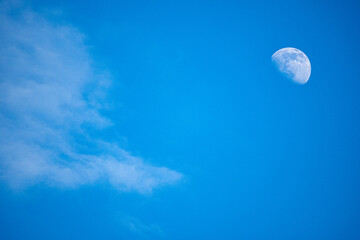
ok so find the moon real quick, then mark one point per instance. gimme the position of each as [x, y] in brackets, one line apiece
[293, 63]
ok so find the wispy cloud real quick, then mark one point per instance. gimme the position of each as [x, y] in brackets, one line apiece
[49, 99]
[138, 227]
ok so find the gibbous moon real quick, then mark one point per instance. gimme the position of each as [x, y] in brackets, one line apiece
[293, 63]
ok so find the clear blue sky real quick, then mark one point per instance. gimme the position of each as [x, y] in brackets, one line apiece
[167, 120]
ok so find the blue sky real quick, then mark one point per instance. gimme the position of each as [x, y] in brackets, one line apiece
[167, 120]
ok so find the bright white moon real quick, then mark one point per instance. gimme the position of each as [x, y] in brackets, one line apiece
[293, 63]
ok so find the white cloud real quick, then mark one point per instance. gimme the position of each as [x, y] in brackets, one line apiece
[49, 91]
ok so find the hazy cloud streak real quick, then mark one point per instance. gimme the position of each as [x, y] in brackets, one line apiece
[48, 100]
